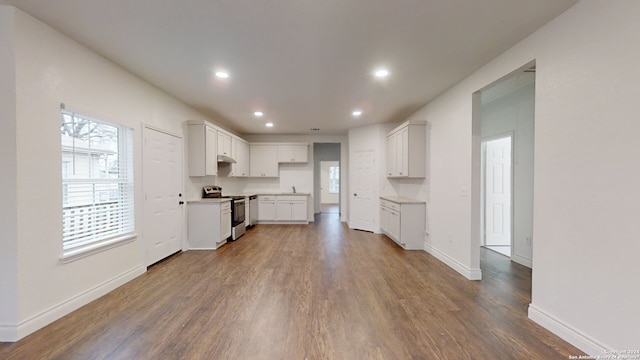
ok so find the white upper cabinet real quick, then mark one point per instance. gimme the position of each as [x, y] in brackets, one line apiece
[293, 153]
[240, 153]
[203, 157]
[263, 160]
[224, 144]
[407, 150]
[207, 143]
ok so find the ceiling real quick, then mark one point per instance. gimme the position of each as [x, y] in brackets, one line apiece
[305, 64]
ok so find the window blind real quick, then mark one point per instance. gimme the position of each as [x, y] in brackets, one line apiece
[97, 181]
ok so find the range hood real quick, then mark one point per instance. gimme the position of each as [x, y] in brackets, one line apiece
[226, 159]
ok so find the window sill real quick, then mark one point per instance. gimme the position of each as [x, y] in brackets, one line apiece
[82, 252]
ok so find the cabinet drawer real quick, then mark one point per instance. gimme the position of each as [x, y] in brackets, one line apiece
[291, 198]
[390, 205]
[225, 206]
[266, 198]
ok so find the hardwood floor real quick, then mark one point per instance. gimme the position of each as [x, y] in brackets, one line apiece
[305, 292]
[329, 208]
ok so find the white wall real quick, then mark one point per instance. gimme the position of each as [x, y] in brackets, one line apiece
[8, 179]
[586, 201]
[52, 69]
[513, 112]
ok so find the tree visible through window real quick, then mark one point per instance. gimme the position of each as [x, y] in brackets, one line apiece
[97, 182]
[334, 179]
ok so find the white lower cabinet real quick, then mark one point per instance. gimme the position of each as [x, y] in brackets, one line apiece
[266, 208]
[282, 208]
[403, 221]
[299, 210]
[209, 224]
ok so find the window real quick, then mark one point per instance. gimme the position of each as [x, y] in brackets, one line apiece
[97, 183]
[334, 179]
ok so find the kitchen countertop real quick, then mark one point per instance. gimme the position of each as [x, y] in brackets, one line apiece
[223, 199]
[283, 193]
[401, 200]
[211, 200]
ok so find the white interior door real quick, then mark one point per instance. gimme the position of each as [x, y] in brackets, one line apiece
[364, 204]
[162, 182]
[498, 192]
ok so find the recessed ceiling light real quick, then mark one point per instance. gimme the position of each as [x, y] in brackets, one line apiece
[381, 73]
[258, 113]
[356, 113]
[269, 124]
[222, 74]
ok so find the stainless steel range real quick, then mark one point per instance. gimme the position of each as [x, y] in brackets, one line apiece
[237, 209]
[238, 226]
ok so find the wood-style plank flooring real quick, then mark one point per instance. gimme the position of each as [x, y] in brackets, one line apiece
[305, 292]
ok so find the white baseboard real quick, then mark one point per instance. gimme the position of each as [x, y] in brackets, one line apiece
[471, 274]
[566, 332]
[14, 333]
[8, 333]
[521, 260]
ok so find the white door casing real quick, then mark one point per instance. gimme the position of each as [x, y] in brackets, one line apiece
[162, 186]
[364, 204]
[497, 188]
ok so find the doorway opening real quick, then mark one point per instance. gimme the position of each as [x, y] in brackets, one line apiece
[496, 188]
[327, 188]
[503, 173]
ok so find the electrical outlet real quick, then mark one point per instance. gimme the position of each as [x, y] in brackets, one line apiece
[527, 241]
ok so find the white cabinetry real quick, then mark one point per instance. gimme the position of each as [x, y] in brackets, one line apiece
[390, 219]
[293, 153]
[407, 150]
[299, 210]
[291, 208]
[263, 160]
[240, 153]
[403, 220]
[224, 144]
[266, 208]
[288, 209]
[209, 224]
[225, 220]
[203, 157]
